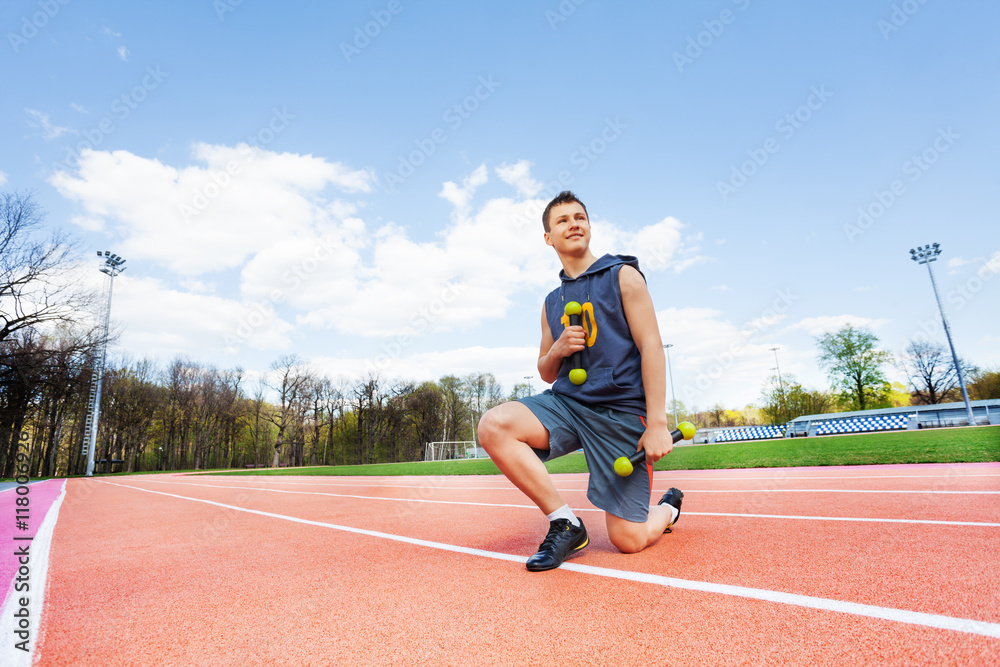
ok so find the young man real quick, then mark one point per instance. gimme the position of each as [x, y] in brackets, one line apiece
[619, 408]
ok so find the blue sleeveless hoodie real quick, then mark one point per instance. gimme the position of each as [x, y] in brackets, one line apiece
[612, 361]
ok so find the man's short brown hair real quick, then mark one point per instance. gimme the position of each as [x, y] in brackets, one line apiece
[564, 197]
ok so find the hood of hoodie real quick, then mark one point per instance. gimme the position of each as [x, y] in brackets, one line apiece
[602, 264]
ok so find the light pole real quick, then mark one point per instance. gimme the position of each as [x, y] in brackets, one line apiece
[528, 378]
[673, 401]
[925, 255]
[113, 265]
[781, 385]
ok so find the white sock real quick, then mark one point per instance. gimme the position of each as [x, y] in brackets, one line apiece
[564, 512]
[673, 511]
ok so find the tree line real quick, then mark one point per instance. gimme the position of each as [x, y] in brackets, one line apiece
[194, 416]
[857, 368]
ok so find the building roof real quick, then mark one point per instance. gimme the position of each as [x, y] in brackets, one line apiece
[993, 403]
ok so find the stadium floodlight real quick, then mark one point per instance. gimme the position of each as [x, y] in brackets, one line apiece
[670, 372]
[113, 265]
[529, 378]
[926, 255]
[777, 367]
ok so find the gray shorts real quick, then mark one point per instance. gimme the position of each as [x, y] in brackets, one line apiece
[604, 434]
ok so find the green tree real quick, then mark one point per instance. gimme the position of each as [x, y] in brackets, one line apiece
[985, 384]
[781, 404]
[854, 363]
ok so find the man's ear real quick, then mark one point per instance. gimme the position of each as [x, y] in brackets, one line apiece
[548, 240]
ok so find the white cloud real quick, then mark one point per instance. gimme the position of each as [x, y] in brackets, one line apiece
[306, 262]
[3, 178]
[714, 360]
[40, 120]
[91, 223]
[816, 326]
[956, 263]
[208, 217]
[460, 196]
[519, 175]
[123, 53]
[164, 322]
[508, 364]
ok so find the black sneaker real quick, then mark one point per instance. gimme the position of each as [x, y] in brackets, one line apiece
[563, 539]
[672, 497]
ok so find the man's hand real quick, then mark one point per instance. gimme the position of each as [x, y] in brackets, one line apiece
[657, 441]
[572, 339]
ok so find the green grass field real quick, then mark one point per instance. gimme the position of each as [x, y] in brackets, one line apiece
[957, 445]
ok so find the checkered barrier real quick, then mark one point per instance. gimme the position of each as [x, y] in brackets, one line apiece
[861, 424]
[751, 433]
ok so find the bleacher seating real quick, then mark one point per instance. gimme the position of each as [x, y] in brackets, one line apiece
[861, 424]
[751, 433]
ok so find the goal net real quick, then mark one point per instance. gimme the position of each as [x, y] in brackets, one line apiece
[447, 451]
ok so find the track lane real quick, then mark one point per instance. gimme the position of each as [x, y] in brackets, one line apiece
[874, 564]
[287, 593]
[354, 599]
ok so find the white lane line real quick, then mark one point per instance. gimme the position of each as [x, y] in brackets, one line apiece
[593, 509]
[38, 577]
[686, 489]
[980, 524]
[658, 474]
[913, 491]
[942, 622]
[510, 487]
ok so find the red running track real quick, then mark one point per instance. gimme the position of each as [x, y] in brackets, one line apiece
[866, 565]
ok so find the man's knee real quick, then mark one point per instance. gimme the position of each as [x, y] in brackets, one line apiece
[626, 536]
[491, 426]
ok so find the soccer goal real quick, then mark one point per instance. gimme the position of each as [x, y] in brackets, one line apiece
[447, 451]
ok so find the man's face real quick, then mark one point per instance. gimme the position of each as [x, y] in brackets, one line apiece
[569, 228]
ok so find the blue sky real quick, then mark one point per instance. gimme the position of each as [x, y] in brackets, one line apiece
[360, 183]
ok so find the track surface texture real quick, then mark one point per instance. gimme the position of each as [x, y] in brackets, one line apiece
[869, 565]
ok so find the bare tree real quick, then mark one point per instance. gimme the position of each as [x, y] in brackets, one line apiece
[456, 423]
[318, 394]
[482, 392]
[424, 409]
[32, 288]
[931, 372]
[290, 379]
